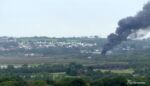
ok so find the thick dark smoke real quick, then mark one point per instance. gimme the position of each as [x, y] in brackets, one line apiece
[128, 26]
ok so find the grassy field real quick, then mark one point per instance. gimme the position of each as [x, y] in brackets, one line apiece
[56, 60]
[124, 71]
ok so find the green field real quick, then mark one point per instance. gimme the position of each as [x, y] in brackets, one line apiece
[61, 59]
[124, 71]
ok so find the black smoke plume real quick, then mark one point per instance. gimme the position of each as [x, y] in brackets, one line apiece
[128, 26]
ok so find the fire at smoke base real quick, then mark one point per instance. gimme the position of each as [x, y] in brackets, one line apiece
[128, 26]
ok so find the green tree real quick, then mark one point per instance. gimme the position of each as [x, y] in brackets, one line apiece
[72, 82]
[74, 69]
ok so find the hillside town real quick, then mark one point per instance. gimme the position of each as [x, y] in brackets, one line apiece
[43, 46]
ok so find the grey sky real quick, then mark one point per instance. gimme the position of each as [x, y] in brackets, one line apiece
[64, 17]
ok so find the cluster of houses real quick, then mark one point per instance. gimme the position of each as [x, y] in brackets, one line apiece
[40, 44]
[8, 44]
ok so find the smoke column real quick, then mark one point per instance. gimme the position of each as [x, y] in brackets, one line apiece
[128, 26]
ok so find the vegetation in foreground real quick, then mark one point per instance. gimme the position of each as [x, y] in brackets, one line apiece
[115, 81]
[69, 75]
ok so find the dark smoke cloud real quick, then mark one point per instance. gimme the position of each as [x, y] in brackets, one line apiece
[128, 26]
